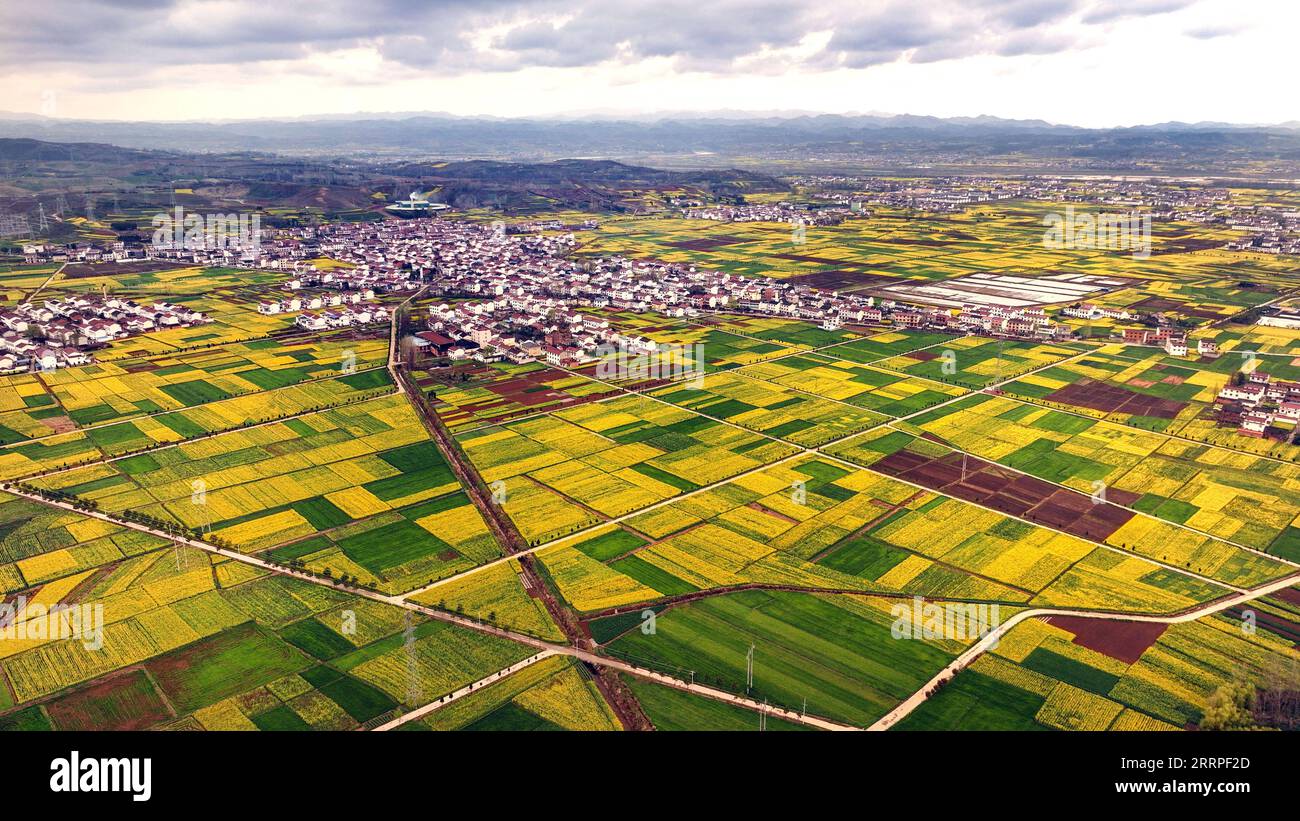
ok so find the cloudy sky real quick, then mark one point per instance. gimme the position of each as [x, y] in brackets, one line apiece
[1084, 62]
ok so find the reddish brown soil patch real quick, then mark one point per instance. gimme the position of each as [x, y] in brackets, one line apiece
[1158, 304]
[1088, 393]
[1002, 489]
[1123, 640]
[1288, 629]
[1122, 497]
[125, 701]
[59, 424]
[707, 243]
[1290, 595]
[82, 270]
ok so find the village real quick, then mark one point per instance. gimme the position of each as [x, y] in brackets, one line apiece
[62, 332]
[1256, 402]
[513, 296]
[525, 290]
[512, 292]
[779, 212]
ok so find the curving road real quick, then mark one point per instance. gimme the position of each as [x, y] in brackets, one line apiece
[980, 647]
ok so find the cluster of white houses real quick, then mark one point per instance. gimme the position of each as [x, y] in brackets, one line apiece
[313, 302]
[308, 275]
[524, 286]
[1262, 402]
[60, 332]
[777, 212]
[1087, 310]
[342, 317]
[522, 329]
[328, 310]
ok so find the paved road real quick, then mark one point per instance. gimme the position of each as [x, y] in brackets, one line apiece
[978, 648]
[47, 281]
[462, 621]
[464, 691]
[392, 338]
[969, 655]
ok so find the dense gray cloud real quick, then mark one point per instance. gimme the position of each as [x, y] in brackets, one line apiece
[507, 35]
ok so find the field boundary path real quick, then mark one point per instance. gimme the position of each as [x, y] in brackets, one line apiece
[47, 281]
[472, 687]
[989, 641]
[612, 664]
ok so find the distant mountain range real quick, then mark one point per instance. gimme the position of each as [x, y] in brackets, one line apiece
[908, 138]
[30, 169]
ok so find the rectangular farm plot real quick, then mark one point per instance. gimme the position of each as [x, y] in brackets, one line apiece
[497, 393]
[845, 530]
[1145, 391]
[877, 390]
[349, 472]
[1079, 674]
[142, 433]
[1243, 498]
[403, 548]
[566, 470]
[771, 409]
[1072, 450]
[39, 544]
[188, 645]
[791, 332]
[933, 465]
[837, 648]
[884, 345]
[724, 350]
[977, 362]
[105, 391]
[1004, 290]
[553, 694]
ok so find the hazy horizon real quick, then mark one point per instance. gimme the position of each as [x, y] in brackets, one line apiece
[1088, 63]
[623, 115]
